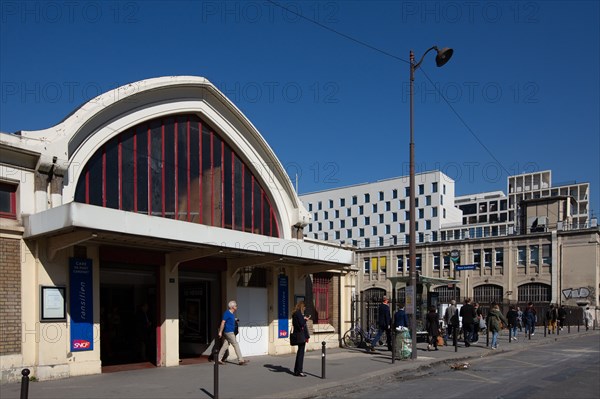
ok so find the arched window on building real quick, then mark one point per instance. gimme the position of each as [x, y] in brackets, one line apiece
[178, 167]
[488, 293]
[534, 292]
[446, 294]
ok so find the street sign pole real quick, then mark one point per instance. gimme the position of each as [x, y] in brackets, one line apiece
[455, 259]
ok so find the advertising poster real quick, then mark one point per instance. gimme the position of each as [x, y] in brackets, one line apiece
[81, 305]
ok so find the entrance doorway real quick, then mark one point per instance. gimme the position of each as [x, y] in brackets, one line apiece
[129, 311]
[198, 312]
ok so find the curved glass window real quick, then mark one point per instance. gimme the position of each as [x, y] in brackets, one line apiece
[177, 167]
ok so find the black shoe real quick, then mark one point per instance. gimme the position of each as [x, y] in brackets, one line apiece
[300, 374]
[467, 345]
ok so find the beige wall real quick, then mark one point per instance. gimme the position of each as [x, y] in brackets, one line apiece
[575, 264]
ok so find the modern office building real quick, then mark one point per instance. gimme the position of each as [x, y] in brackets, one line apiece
[539, 185]
[495, 213]
[377, 214]
[127, 228]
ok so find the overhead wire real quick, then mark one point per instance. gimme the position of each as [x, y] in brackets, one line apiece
[386, 53]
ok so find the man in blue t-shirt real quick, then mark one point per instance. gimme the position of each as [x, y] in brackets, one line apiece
[227, 331]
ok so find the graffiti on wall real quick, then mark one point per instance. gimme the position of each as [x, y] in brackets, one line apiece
[573, 293]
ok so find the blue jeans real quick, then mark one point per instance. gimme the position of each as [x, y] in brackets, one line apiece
[514, 331]
[529, 327]
[494, 339]
[375, 340]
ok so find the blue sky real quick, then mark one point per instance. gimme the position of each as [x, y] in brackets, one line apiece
[329, 89]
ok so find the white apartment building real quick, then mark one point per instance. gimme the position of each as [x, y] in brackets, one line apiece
[377, 214]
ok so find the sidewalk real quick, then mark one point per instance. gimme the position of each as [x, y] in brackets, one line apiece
[268, 376]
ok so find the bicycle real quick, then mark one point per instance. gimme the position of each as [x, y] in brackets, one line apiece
[357, 337]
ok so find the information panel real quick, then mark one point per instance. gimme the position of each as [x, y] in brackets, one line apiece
[81, 305]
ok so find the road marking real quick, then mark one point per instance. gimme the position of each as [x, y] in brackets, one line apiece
[579, 350]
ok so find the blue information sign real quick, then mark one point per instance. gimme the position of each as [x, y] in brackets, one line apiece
[282, 308]
[465, 267]
[81, 305]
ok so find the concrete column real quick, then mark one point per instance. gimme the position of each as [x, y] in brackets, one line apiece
[169, 314]
[555, 268]
[41, 192]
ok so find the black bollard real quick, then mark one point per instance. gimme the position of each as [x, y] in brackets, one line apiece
[25, 383]
[454, 339]
[323, 359]
[216, 371]
[394, 345]
[568, 327]
[509, 333]
[545, 326]
[487, 337]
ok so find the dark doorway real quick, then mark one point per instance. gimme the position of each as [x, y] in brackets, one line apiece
[198, 311]
[129, 312]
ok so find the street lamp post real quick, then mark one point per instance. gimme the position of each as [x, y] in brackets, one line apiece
[441, 58]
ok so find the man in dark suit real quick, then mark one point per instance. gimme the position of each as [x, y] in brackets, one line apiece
[468, 314]
[401, 318]
[384, 321]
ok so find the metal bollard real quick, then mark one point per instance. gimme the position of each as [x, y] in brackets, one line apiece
[545, 326]
[25, 383]
[323, 359]
[216, 371]
[568, 327]
[393, 345]
[454, 339]
[487, 337]
[509, 333]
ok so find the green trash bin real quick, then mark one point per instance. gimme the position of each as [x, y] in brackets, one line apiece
[403, 343]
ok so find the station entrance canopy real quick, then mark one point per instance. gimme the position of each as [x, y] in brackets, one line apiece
[75, 223]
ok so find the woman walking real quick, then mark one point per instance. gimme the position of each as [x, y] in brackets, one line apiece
[432, 324]
[301, 332]
[493, 323]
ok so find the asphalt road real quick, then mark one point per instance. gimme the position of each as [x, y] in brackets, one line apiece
[565, 369]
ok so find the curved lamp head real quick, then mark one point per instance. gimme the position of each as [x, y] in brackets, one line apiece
[443, 56]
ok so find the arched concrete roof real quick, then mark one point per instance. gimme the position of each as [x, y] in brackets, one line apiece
[70, 144]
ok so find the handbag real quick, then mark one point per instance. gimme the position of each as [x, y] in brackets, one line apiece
[297, 337]
[482, 325]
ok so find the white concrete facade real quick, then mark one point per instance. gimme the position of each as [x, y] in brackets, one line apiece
[376, 214]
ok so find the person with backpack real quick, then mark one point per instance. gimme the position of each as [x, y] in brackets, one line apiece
[494, 320]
